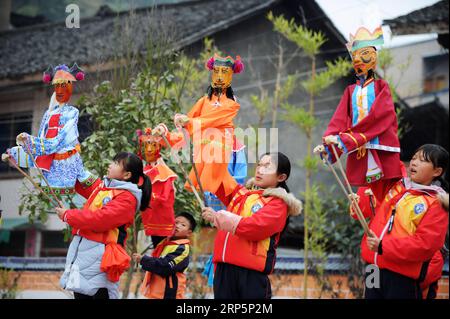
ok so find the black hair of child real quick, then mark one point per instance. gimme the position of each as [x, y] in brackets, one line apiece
[217, 91]
[133, 164]
[283, 167]
[438, 156]
[190, 218]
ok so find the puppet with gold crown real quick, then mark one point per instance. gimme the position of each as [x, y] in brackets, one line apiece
[364, 125]
[56, 149]
[210, 124]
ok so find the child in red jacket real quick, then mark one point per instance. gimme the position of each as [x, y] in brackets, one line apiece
[408, 227]
[96, 256]
[250, 228]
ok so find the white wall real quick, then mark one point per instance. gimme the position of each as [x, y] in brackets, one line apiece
[409, 82]
[10, 192]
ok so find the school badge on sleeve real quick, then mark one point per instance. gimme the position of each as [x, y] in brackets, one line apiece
[419, 208]
[256, 207]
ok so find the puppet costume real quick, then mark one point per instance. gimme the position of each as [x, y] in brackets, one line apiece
[159, 217]
[56, 148]
[237, 169]
[365, 122]
[211, 126]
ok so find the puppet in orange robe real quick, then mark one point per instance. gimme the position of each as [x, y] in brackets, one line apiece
[159, 217]
[365, 123]
[210, 123]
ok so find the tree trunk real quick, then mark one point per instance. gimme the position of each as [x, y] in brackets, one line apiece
[132, 268]
[279, 70]
[308, 184]
[130, 273]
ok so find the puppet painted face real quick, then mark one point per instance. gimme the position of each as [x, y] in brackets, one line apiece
[63, 92]
[151, 149]
[221, 77]
[364, 59]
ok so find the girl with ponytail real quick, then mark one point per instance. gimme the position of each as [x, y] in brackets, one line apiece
[408, 226]
[132, 164]
[96, 257]
[250, 228]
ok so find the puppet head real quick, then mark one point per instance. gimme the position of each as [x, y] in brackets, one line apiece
[223, 69]
[62, 78]
[362, 47]
[149, 145]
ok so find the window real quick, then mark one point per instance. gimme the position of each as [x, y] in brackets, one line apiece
[15, 246]
[434, 84]
[53, 244]
[435, 77]
[12, 124]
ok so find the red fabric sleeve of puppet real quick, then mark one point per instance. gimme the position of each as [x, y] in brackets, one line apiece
[340, 121]
[86, 191]
[221, 192]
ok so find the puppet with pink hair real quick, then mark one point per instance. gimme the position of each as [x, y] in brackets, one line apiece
[210, 125]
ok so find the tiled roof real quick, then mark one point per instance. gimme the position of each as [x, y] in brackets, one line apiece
[430, 19]
[31, 49]
[32, 263]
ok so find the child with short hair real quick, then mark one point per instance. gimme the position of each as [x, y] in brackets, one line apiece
[165, 277]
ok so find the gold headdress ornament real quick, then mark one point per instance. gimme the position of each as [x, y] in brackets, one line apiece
[364, 38]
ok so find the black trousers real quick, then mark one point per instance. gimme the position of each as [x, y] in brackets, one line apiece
[234, 282]
[394, 286]
[102, 293]
[432, 291]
